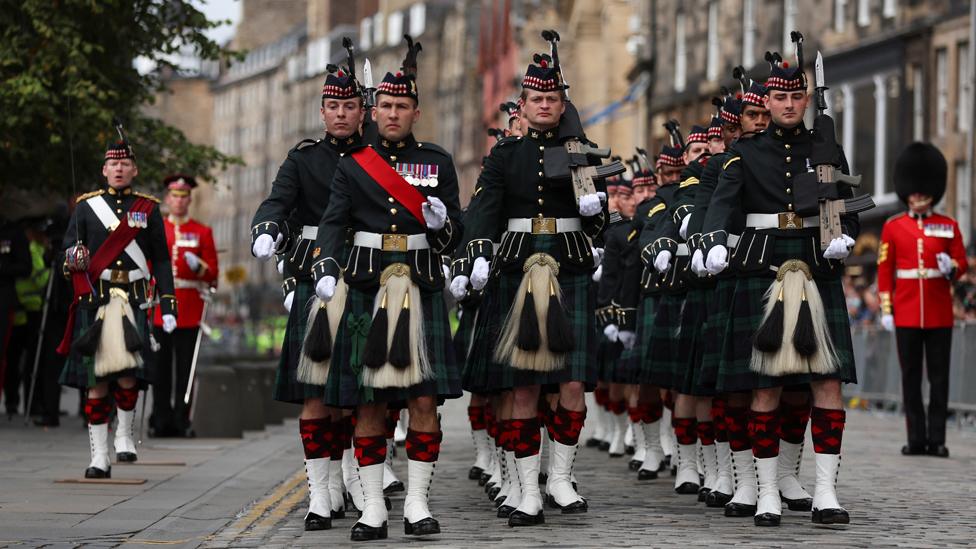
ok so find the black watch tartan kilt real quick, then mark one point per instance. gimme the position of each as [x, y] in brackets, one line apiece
[344, 389]
[79, 371]
[714, 340]
[476, 376]
[631, 360]
[693, 321]
[287, 388]
[746, 314]
[662, 365]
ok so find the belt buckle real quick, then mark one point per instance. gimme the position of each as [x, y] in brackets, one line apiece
[789, 221]
[119, 276]
[394, 242]
[543, 225]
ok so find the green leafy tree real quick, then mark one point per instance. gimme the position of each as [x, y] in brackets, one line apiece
[67, 69]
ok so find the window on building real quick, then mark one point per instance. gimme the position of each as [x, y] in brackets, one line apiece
[865, 118]
[366, 33]
[941, 91]
[680, 53]
[889, 8]
[789, 24]
[863, 13]
[418, 19]
[712, 63]
[964, 92]
[748, 33]
[918, 103]
[378, 27]
[964, 189]
[395, 28]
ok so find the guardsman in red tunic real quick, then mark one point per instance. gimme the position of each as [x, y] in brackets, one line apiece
[194, 261]
[921, 254]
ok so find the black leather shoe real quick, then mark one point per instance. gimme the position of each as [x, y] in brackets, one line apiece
[338, 514]
[125, 457]
[912, 450]
[95, 472]
[613, 455]
[938, 450]
[497, 502]
[575, 508]
[423, 527]
[518, 518]
[687, 488]
[703, 494]
[631, 450]
[474, 473]
[592, 442]
[484, 479]
[364, 532]
[395, 486]
[634, 464]
[314, 522]
[504, 511]
[804, 504]
[717, 499]
[739, 510]
[831, 516]
[493, 493]
[604, 446]
[767, 519]
[644, 474]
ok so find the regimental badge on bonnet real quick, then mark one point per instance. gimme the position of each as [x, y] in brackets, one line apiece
[418, 175]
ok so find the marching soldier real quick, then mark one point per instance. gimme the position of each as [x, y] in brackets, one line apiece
[788, 309]
[195, 274]
[543, 267]
[399, 197]
[286, 223]
[114, 235]
[921, 254]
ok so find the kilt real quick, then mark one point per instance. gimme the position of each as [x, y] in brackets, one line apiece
[662, 361]
[343, 389]
[746, 314]
[608, 357]
[689, 359]
[631, 360]
[718, 304]
[79, 371]
[478, 364]
[579, 304]
[287, 388]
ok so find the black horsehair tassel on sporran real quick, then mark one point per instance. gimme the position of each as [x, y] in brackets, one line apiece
[529, 338]
[87, 343]
[769, 337]
[557, 325]
[318, 341]
[804, 335]
[133, 341]
[374, 356]
[400, 346]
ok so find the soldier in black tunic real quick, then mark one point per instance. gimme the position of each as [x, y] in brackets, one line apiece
[544, 267]
[791, 324]
[108, 336]
[286, 223]
[399, 197]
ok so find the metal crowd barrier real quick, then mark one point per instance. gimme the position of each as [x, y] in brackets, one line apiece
[879, 374]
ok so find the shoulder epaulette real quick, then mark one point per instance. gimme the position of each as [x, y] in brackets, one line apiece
[507, 141]
[304, 143]
[146, 196]
[86, 196]
[432, 147]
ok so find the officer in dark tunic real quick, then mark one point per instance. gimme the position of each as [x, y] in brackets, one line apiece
[286, 223]
[544, 265]
[399, 198]
[788, 308]
[114, 235]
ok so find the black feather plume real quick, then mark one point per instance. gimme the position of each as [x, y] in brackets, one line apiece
[410, 60]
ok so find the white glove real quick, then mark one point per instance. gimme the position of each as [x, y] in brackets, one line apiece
[281, 266]
[435, 213]
[662, 261]
[683, 231]
[169, 323]
[627, 338]
[597, 256]
[698, 263]
[839, 248]
[589, 205]
[264, 246]
[289, 299]
[611, 331]
[192, 260]
[717, 259]
[597, 274]
[479, 273]
[888, 322]
[459, 287]
[945, 264]
[447, 271]
[325, 288]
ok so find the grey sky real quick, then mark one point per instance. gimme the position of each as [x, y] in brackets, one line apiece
[221, 9]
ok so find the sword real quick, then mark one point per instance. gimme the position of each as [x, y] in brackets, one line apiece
[40, 343]
[196, 347]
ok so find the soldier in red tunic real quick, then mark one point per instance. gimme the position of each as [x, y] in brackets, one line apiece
[194, 260]
[921, 254]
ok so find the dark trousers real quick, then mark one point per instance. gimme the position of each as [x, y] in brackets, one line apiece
[20, 362]
[935, 345]
[170, 416]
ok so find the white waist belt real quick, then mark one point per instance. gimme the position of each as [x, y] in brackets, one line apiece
[391, 242]
[918, 273]
[187, 284]
[310, 232]
[121, 277]
[785, 220]
[732, 241]
[682, 249]
[545, 225]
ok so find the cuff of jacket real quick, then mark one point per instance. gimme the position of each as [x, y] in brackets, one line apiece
[444, 240]
[606, 315]
[460, 267]
[481, 247]
[593, 226]
[326, 267]
[627, 318]
[712, 239]
[167, 304]
[288, 286]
